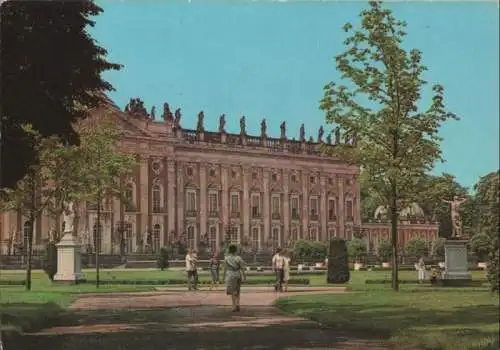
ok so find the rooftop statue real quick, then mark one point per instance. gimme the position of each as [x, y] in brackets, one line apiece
[263, 128]
[199, 126]
[320, 134]
[222, 123]
[283, 130]
[243, 128]
[167, 114]
[177, 120]
[302, 135]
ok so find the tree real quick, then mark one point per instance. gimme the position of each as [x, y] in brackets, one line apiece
[162, 259]
[438, 248]
[50, 260]
[378, 111]
[384, 251]
[417, 248]
[487, 201]
[32, 194]
[480, 244]
[338, 262]
[51, 75]
[356, 249]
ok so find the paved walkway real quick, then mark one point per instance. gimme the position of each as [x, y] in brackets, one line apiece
[172, 319]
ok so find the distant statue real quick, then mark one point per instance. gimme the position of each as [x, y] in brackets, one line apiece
[302, 134]
[127, 108]
[311, 140]
[243, 128]
[167, 114]
[153, 112]
[199, 126]
[329, 138]
[337, 135]
[321, 131]
[456, 220]
[222, 123]
[68, 217]
[263, 128]
[177, 120]
[283, 130]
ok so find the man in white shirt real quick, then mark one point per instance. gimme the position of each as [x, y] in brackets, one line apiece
[278, 263]
[191, 269]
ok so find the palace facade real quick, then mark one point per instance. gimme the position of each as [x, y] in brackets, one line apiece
[197, 185]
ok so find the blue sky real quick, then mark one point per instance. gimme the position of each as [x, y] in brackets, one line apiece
[271, 60]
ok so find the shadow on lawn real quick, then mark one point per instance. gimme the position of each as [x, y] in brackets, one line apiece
[187, 328]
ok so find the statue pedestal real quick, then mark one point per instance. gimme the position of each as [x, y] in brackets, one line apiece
[455, 263]
[68, 260]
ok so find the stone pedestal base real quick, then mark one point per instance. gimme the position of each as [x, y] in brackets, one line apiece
[455, 263]
[68, 260]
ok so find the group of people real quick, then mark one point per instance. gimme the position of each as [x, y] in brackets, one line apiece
[234, 272]
[422, 272]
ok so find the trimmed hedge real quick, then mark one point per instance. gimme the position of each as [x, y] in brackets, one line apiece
[338, 262]
[472, 282]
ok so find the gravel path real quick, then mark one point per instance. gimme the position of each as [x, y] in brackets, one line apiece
[188, 320]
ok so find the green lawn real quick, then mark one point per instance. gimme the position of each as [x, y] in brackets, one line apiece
[454, 319]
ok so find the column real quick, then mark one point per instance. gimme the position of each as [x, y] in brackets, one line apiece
[246, 202]
[179, 203]
[341, 205]
[144, 195]
[323, 205]
[286, 205]
[265, 204]
[224, 202]
[203, 202]
[171, 197]
[305, 204]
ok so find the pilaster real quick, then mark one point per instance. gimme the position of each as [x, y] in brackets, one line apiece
[286, 205]
[265, 204]
[180, 200]
[171, 195]
[203, 202]
[144, 194]
[341, 204]
[305, 204]
[224, 202]
[323, 234]
[246, 202]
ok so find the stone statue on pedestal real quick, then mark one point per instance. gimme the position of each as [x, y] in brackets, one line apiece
[302, 133]
[177, 121]
[68, 217]
[263, 128]
[153, 112]
[167, 114]
[222, 123]
[456, 220]
[243, 128]
[199, 126]
[321, 132]
[329, 138]
[283, 130]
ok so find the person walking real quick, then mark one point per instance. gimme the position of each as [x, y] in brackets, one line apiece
[234, 275]
[191, 266]
[278, 264]
[214, 266]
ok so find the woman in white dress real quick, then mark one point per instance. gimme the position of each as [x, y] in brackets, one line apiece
[421, 270]
[286, 270]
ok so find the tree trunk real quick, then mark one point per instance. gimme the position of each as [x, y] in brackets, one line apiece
[394, 241]
[29, 252]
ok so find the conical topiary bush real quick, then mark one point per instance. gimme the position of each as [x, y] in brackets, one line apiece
[338, 262]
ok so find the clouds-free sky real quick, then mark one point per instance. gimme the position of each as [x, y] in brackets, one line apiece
[271, 60]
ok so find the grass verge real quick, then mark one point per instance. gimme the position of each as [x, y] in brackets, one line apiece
[437, 319]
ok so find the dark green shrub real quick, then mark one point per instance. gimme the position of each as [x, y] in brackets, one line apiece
[493, 266]
[384, 251]
[480, 244]
[438, 248]
[416, 248]
[338, 262]
[49, 261]
[356, 249]
[162, 259]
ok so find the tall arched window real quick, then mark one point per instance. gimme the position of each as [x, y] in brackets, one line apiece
[156, 197]
[127, 232]
[129, 197]
[26, 233]
[156, 237]
[97, 230]
[190, 237]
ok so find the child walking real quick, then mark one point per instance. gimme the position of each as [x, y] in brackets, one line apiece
[214, 266]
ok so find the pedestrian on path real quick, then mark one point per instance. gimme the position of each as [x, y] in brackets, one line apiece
[234, 275]
[214, 266]
[278, 264]
[191, 266]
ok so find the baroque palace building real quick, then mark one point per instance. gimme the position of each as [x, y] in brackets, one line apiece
[198, 186]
